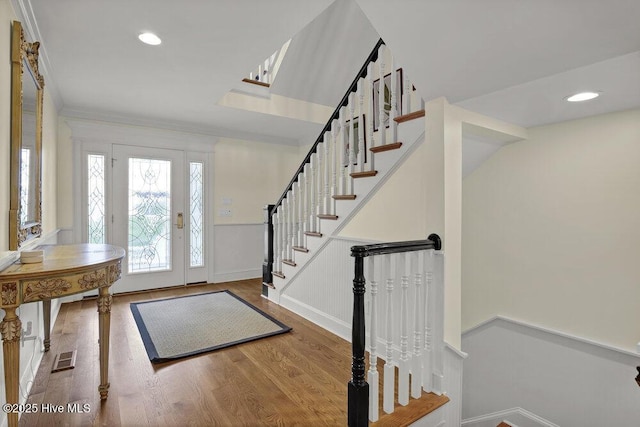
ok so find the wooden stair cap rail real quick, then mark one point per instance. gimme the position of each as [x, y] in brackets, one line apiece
[386, 147]
[345, 197]
[256, 82]
[410, 116]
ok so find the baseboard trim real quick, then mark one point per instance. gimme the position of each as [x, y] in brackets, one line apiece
[231, 276]
[330, 323]
[512, 413]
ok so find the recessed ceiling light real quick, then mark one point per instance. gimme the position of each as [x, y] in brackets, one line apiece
[150, 38]
[582, 96]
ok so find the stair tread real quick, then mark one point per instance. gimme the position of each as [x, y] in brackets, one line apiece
[290, 262]
[326, 216]
[300, 249]
[278, 274]
[312, 234]
[386, 147]
[503, 424]
[416, 409]
[256, 82]
[409, 116]
[345, 197]
[364, 174]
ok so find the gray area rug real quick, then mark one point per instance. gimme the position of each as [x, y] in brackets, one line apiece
[179, 327]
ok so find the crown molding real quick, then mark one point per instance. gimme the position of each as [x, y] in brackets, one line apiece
[24, 13]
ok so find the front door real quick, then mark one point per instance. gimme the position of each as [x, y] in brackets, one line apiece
[149, 201]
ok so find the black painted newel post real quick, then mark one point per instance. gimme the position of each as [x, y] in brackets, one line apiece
[358, 389]
[267, 262]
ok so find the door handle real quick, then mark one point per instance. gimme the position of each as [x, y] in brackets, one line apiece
[180, 222]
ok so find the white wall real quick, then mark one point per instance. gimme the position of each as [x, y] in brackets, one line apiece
[567, 381]
[551, 228]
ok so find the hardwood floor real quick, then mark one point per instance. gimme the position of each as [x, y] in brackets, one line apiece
[298, 378]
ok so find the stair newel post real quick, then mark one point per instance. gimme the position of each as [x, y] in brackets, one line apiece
[327, 167]
[352, 143]
[389, 368]
[418, 327]
[427, 365]
[358, 389]
[438, 328]
[344, 159]
[335, 131]
[393, 112]
[370, 109]
[372, 375]
[361, 126]
[403, 365]
[382, 133]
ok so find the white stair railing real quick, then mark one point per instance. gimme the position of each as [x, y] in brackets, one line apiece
[416, 372]
[360, 127]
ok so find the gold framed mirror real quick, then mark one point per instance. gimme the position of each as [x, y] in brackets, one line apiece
[27, 86]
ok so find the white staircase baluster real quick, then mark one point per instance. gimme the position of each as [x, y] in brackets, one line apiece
[289, 227]
[406, 96]
[404, 364]
[418, 327]
[382, 132]
[275, 218]
[370, 109]
[300, 213]
[352, 144]
[327, 167]
[372, 375]
[344, 159]
[305, 181]
[361, 126]
[294, 215]
[427, 365]
[335, 131]
[312, 193]
[319, 176]
[393, 113]
[438, 330]
[282, 234]
[389, 369]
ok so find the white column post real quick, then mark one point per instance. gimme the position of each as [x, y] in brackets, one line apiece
[335, 131]
[312, 193]
[427, 365]
[319, 176]
[300, 213]
[275, 218]
[344, 159]
[352, 144]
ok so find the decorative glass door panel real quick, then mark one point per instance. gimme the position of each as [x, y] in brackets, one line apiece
[148, 195]
[149, 231]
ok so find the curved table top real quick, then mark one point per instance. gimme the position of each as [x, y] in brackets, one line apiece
[65, 259]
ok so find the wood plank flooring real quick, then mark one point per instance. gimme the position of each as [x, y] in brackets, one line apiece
[294, 379]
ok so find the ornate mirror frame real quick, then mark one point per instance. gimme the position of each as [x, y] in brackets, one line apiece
[24, 71]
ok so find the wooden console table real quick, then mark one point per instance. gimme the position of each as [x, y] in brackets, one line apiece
[66, 270]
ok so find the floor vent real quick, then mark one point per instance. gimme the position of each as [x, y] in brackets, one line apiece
[65, 360]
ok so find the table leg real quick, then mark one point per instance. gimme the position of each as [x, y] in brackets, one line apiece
[46, 313]
[104, 323]
[11, 328]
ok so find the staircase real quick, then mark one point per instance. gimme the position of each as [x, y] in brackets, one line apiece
[376, 126]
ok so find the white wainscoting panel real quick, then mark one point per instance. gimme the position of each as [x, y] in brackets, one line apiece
[514, 417]
[568, 381]
[238, 251]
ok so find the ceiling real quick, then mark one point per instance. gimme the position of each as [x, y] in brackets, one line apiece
[514, 61]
